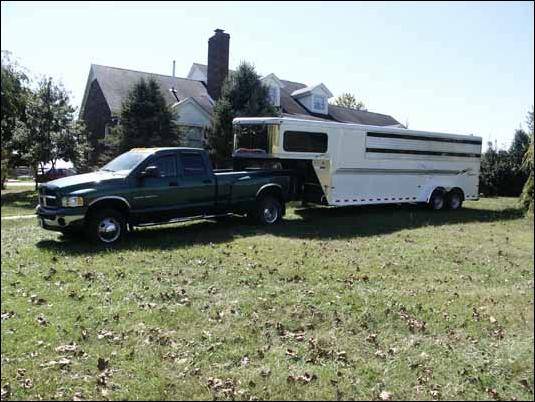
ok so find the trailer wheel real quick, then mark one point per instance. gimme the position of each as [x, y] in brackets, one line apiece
[437, 200]
[269, 210]
[455, 200]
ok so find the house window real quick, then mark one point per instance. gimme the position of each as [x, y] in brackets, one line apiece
[319, 102]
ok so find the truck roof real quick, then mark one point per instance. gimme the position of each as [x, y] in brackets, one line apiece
[157, 149]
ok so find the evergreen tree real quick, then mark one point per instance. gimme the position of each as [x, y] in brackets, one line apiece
[145, 121]
[242, 95]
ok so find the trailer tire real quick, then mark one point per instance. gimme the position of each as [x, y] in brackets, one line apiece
[437, 201]
[454, 200]
[106, 227]
[269, 210]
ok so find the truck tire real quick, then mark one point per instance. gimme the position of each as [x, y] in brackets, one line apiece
[106, 227]
[437, 200]
[268, 211]
[454, 200]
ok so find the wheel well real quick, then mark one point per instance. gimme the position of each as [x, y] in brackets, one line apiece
[274, 191]
[109, 204]
[436, 189]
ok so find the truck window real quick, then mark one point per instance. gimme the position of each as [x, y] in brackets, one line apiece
[302, 141]
[166, 166]
[193, 164]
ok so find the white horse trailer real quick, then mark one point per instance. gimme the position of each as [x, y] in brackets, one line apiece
[351, 164]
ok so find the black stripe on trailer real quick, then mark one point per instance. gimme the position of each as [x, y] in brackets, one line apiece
[415, 152]
[423, 138]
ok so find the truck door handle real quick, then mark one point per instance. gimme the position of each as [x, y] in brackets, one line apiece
[207, 181]
[173, 184]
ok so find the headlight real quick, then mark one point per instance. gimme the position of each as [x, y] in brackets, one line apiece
[72, 201]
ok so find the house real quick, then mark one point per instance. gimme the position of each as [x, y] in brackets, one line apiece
[192, 99]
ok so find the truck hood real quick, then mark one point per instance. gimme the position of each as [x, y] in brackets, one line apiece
[85, 180]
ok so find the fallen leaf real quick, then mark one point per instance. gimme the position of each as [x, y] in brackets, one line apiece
[380, 354]
[385, 396]
[41, 320]
[6, 391]
[27, 383]
[305, 378]
[102, 364]
[21, 373]
[290, 353]
[8, 314]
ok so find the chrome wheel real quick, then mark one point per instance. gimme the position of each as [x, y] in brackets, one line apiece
[109, 230]
[271, 213]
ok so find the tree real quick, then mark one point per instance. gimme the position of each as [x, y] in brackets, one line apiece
[527, 192]
[14, 98]
[348, 100]
[50, 132]
[242, 95]
[519, 146]
[504, 172]
[145, 121]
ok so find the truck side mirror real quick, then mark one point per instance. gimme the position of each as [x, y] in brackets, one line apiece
[150, 171]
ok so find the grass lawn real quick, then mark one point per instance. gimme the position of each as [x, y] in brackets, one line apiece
[350, 303]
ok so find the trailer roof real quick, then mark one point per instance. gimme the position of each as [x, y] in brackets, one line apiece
[384, 129]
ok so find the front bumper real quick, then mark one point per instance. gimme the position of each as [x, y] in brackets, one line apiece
[61, 218]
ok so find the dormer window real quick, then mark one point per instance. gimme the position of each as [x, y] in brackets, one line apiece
[319, 103]
[273, 85]
[314, 98]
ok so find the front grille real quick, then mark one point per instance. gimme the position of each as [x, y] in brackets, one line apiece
[48, 198]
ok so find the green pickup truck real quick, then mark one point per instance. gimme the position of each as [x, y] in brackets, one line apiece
[150, 186]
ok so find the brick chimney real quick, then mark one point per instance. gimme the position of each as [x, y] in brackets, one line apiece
[218, 51]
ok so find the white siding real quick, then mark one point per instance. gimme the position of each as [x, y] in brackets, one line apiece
[189, 114]
[197, 74]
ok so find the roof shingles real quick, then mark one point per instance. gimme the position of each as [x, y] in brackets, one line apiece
[117, 82]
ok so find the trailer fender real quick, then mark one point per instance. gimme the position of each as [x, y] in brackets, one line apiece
[425, 196]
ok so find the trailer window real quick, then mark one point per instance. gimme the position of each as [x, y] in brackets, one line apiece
[253, 137]
[303, 141]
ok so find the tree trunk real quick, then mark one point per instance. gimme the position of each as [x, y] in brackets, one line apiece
[36, 173]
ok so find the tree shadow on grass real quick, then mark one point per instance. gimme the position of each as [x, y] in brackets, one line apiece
[318, 223]
[26, 199]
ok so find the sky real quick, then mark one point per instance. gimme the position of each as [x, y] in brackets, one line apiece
[456, 67]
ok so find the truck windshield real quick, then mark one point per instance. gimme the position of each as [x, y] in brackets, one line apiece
[255, 139]
[124, 163]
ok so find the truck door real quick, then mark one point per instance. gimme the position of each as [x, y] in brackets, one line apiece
[197, 182]
[162, 194]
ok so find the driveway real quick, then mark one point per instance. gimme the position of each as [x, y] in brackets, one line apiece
[19, 183]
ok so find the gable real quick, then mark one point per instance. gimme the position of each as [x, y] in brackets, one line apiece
[190, 112]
